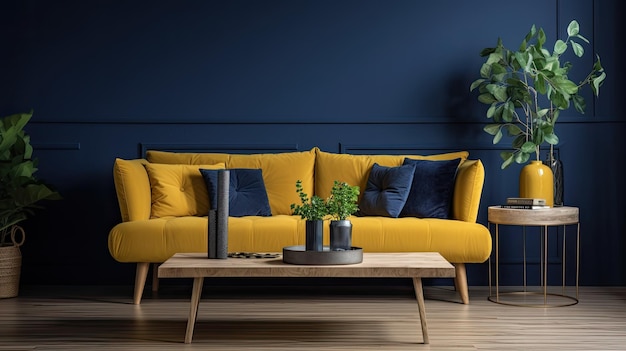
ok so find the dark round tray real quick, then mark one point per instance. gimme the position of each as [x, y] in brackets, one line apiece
[298, 255]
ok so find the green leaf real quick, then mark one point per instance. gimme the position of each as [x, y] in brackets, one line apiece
[579, 103]
[528, 147]
[523, 45]
[521, 59]
[497, 116]
[542, 112]
[476, 83]
[498, 91]
[573, 28]
[522, 157]
[582, 38]
[494, 57]
[508, 111]
[492, 128]
[485, 71]
[578, 49]
[508, 159]
[487, 51]
[564, 85]
[491, 110]
[497, 69]
[541, 38]
[486, 98]
[540, 84]
[560, 47]
[597, 66]
[551, 139]
[497, 137]
[531, 33]
[597, 82]
[513, 129]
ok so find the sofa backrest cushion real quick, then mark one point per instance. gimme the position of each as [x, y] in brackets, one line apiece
[280, 171]
[246, 192]
[178, 190]
[432, 188]
[132, 188]
[468, 188]
[386, 191]
[354, 169]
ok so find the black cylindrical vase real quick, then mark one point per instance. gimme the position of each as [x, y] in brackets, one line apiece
[314, 235]
[340, 235]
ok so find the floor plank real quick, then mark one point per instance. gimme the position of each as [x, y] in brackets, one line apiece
[249, 318]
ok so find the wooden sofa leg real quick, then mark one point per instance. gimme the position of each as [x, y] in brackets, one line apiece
[140, 280]
[155, 277]
[460, 281]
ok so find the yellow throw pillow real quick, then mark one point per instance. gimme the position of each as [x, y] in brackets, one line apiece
[133, 189]
[470, 178]
[178, 190]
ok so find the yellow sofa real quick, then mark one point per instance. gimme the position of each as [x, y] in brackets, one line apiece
[164, 204]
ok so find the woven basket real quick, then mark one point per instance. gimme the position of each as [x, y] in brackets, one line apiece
[11, 265]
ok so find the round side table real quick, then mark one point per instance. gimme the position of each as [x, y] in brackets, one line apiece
[542, 218]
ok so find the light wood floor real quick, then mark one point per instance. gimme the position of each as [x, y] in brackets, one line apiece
[309, 318]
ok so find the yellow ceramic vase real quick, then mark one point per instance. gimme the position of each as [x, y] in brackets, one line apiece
[537, 181]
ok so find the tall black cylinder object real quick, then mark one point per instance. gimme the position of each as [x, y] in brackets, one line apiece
[314, 235]
[221, 242]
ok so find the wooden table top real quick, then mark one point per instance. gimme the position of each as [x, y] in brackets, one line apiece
[381, 265]
[548, 216]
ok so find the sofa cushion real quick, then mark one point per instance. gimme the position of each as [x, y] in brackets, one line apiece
[386, 191]
[178, 190]
[132, 187]
[280, 171]
[468, 188]
[246, 192]
[431, 190]
[156, 240]
[354, 169]
[456, 241]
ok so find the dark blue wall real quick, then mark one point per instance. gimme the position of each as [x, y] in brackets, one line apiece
[110, 79]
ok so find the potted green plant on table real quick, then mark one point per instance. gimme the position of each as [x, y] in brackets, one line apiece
[526, 90]
[342, 203]
[20, 194]
[313, 210]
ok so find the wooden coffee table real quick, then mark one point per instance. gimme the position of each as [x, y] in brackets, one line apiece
[374, 265]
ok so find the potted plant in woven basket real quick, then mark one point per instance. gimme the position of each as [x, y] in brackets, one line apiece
[20, 193]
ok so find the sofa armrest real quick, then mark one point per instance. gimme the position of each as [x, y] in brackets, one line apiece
[132, 187]
[468, 189]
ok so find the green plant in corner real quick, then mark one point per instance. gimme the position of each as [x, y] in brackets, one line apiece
[343, 200]
[516, 85]
[20, 190]
[312, 209]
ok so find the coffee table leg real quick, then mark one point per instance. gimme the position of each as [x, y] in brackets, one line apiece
[193, 308]
[419, 294]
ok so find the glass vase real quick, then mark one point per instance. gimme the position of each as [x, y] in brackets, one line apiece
[556, 165]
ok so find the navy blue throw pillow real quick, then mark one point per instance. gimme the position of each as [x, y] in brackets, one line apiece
[432, 188]
[246, 192]
[386, 191]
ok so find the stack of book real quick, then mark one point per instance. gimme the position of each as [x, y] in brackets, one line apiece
[525, 203]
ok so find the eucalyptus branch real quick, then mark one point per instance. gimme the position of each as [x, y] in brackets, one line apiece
[507, 83]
